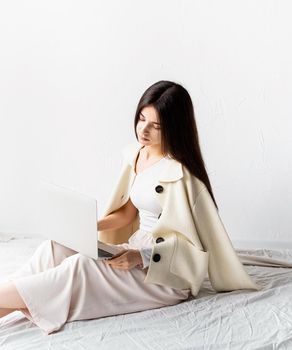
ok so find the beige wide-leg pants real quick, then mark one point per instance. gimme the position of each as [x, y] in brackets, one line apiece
[59, 285]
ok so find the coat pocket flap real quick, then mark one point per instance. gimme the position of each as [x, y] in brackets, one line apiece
[189, 262]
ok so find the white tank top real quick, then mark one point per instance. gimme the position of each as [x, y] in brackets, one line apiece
[144, 196]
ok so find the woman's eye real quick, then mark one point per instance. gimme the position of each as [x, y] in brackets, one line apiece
[155, 127]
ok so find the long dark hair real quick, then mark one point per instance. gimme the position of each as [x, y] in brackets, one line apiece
[179, 134]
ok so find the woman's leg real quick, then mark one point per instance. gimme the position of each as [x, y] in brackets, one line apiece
[47, 255]
[10, 300]
[4, 312]
[9, 297]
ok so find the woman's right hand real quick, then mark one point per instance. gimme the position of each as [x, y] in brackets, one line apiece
[125, 260]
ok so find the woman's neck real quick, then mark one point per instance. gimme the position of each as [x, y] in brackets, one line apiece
[151, 152]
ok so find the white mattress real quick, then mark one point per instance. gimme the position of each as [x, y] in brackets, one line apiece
[231, 320]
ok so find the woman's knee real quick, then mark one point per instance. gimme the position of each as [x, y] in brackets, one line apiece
[79, 259]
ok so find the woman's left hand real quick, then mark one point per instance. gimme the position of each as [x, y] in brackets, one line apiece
[125, 260]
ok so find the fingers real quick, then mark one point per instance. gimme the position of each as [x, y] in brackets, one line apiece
[123, 265]
[125, 260]
[119, 259]
[116, 258]
[119, 254]
[122, 261]
[119, 262]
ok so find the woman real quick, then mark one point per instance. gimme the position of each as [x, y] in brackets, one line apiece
[162, 215]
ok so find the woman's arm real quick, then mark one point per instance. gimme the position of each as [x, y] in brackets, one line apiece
[119, 218]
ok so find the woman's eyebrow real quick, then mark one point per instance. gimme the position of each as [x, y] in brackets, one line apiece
[152, 122]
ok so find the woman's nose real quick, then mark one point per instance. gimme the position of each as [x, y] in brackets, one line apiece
[144, 128]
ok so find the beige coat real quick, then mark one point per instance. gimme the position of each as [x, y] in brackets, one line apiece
[190, 238]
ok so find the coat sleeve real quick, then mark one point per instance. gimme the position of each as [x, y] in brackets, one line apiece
[226, 272]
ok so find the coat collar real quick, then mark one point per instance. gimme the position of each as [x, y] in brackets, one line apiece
[172, 171]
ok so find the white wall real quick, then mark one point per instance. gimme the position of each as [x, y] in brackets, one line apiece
[72, 73]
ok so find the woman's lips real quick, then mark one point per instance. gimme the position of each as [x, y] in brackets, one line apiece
[143, 138]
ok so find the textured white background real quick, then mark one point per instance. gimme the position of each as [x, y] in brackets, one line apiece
[71, 75]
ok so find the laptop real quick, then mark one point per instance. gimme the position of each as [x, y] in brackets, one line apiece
[70, 218]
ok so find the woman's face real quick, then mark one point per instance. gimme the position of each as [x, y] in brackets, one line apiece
[148, 127]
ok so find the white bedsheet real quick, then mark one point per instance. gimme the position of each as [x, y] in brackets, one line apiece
[232, 320]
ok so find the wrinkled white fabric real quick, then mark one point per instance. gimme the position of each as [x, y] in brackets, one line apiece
[231, 320]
